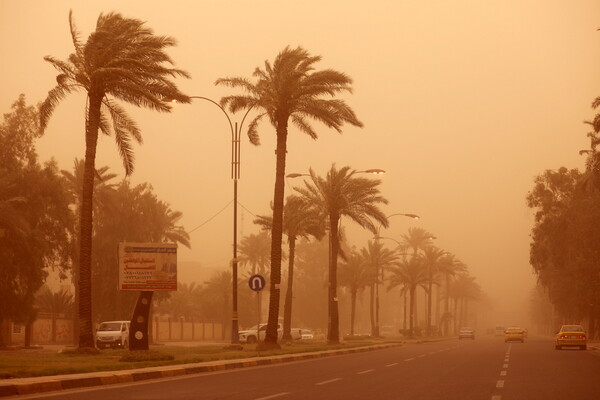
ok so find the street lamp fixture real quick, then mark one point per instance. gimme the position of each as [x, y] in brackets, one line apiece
[235, 175]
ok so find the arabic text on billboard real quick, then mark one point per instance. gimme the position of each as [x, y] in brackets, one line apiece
[148, 266]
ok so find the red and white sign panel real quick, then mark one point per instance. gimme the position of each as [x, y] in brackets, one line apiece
[148, 266]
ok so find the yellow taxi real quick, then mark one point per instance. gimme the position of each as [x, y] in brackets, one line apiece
[571, 335]
[514, 334]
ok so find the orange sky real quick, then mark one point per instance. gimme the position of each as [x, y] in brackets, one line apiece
[464, 103]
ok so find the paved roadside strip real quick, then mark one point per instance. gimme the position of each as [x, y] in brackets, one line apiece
[21, 386]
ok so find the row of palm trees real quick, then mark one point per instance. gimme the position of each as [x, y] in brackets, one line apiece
[123, 59]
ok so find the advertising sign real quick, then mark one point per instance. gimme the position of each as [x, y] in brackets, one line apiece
[148, 266]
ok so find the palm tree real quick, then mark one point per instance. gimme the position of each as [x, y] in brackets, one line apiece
[102, 198]
[378, 258]
[464, 289]
[219, 288]
[410, 274]
[432, 257]
[300, 220]
[356, 274]
[124, 59]
[450, 265]
[416, 239]
[54, 303]
[254, 252]
[340, 194]
[289, 90]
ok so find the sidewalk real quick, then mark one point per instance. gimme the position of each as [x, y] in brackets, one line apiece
[20, 386]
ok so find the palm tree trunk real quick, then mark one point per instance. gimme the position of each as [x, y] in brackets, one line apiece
[404, 311]
[276, 236]
[447, 306]
[412, 313]
[455, 316]
[372, 308]
[86, 329]
[430, 287]
[352, 310]
[333, 331]
[287, 307]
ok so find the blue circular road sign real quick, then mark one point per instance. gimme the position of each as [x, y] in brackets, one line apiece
[256, 282]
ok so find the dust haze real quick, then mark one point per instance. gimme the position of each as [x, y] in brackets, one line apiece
[463, 104]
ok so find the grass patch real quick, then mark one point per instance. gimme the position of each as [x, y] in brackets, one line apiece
[20, 363]
[149, 355]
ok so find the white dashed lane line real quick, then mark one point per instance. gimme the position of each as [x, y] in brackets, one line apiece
[500, 384]
[328, 381]
[273, 396]
[365, 371]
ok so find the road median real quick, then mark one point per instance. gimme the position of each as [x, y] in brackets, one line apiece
[31, 385]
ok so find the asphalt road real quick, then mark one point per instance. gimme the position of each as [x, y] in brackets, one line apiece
[486, 368]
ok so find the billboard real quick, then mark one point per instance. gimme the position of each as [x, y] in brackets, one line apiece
[148, 266]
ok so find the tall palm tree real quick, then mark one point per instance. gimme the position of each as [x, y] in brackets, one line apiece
[449, 266]
[300, 220]
[410, 274]
[379, 259]
[355, 274]
[124, 59]
[416, 239]
[432, 257]
[464, 289]
[289, 90]
[341, 194]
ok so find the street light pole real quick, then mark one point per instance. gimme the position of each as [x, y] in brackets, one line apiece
[235, 175]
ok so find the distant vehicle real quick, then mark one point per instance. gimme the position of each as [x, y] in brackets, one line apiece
[113, 334]
[499, 330]
[466, 333]
[251, 335]
[514, 334]
[306, 334]
[571, 335]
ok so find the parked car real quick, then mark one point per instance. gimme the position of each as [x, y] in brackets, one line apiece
[466, 333]
[113, 334]
[514, 334]
[571, 335]
[306, 334]
[252, 336]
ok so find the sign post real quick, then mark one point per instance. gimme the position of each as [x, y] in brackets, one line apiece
[147, 267]
[257, 284]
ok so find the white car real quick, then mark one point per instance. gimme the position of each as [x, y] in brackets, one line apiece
[113, 334]
[251, 336]
[306, 334]
[466, 333]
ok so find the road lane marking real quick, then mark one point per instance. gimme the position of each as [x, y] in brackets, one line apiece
[500, 384]
[273, 396]
[422, 355]
[391, 365]
[409, 359]
[433, 352]
[496, 397]
[502, 373]
[504, 366]
[329, 381]
[365, 371]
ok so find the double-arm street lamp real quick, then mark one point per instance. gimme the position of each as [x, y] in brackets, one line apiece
[235, 175]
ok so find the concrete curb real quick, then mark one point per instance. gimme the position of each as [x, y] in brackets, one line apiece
[21, 386]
